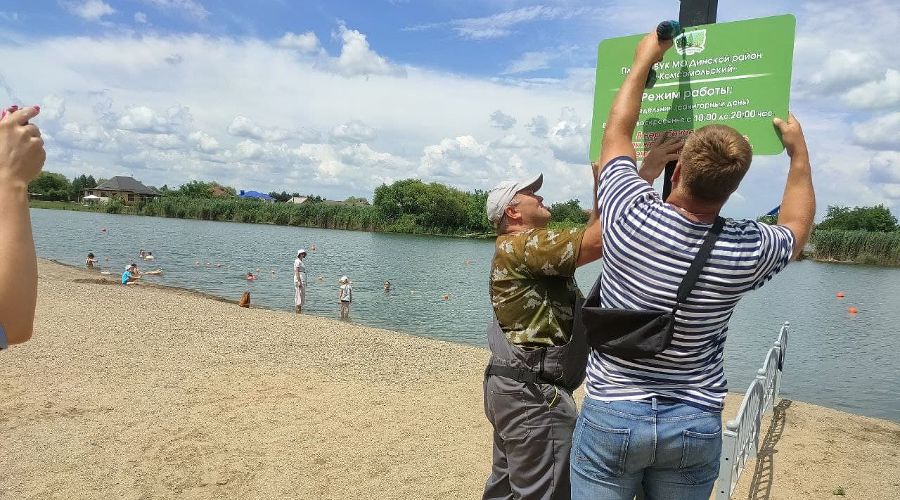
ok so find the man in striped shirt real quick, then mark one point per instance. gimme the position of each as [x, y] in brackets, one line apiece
[655, 423]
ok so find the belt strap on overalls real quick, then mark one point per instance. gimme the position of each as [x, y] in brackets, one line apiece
[516, 373]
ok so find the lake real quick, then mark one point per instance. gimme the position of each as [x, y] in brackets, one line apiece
[834, 359]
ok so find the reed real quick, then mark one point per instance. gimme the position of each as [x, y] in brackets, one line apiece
[860, 247]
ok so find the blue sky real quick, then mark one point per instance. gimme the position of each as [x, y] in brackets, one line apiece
[336, 97]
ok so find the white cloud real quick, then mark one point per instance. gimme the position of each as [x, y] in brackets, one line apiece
[305, 43]
[190, 9]
[357, 58]
[241, 126]
[140, 17]
[878, 93]
[538, 126]
[501, 24]
[89, 10]
[569, 138]
[146, 120]
[530, 61]
[53, 107]
[248, 150]
[882, 132]
[204, 142]
[501, 120]
[353, 131]
[885, 168]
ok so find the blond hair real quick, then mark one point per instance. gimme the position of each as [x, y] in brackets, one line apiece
[713, 162]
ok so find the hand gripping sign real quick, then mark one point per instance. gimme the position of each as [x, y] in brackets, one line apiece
[737, 74]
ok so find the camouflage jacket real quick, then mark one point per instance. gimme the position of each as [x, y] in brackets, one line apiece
[533, 289]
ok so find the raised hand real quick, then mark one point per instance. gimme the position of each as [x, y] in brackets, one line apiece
[664, 149]
[22, 152]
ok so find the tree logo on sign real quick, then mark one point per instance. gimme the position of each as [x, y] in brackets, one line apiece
[690, 42]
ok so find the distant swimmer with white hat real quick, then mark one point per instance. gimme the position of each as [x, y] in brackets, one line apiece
[299, 280]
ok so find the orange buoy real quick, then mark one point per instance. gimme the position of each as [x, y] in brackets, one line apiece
[840, 295]
[852, 310]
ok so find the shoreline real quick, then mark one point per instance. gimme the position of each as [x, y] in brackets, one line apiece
[155, 392]
[466, 236]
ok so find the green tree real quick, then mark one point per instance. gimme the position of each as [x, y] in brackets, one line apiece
[877, 218]
[51, 186]
[568, 212]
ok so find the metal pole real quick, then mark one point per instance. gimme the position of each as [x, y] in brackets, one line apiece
[691, 13]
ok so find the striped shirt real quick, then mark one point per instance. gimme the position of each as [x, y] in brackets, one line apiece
[647, 249]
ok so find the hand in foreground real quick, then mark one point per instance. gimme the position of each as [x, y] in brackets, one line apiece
[664, 149]
[22, 152]
[791, 134]
[651, 49]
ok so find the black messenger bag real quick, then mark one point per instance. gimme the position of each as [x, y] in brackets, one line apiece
[634, 333]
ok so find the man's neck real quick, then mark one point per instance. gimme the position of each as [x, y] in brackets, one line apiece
[694, 210]
[517, 228]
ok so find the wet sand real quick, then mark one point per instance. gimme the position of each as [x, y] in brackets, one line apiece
[148, 392]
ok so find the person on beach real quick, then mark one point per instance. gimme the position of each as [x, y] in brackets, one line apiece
[22, 157]
[654, 423]
[130, 276]
[299, 280]
[538, 350]
[90, 261]
[345, 297]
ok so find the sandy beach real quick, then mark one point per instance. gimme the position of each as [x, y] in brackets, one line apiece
[145, 392]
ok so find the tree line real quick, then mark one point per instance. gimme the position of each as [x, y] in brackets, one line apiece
[405, 206]
[863, 235]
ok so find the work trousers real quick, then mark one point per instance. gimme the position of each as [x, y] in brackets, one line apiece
[533, 425]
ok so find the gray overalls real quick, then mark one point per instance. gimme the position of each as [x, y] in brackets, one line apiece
[528, 400]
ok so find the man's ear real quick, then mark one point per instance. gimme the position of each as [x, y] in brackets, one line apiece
[676, 174]
[512, 213]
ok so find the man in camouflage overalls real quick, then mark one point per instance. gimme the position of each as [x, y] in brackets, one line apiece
[536, 358]
[538, 347]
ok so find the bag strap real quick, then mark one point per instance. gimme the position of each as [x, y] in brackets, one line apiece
[690, 279]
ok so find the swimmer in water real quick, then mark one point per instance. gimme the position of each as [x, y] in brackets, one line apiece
[90, 261]
[387, 286]
[250, 276]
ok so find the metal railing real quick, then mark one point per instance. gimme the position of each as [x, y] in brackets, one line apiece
[740, 438]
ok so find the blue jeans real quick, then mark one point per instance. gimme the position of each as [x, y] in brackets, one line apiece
[669, 449]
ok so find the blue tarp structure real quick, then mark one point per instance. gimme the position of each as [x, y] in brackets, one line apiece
[775, 210]
[255, 195]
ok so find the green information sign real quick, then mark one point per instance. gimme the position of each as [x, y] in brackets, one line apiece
[737, 74]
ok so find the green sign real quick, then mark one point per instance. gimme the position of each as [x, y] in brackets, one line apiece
[737, 74]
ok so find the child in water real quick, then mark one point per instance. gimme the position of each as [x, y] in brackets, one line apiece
[345, 297]
[90, 260]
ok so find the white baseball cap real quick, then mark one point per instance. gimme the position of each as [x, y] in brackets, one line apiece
[302, 250]
[499, 197]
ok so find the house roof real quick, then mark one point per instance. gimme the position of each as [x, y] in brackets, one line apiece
[255, 194]
[127, 184]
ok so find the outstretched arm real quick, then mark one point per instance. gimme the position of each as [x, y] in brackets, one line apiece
[798, 205]
[623, 115]
[21, 159]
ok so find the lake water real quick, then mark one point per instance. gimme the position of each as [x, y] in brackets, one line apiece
[834, 359]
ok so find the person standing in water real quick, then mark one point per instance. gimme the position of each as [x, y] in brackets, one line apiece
[299, 280]
[345, 297]
[90, 261]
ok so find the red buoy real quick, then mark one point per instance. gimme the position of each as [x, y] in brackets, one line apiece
[852, 310]
[840, 295]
